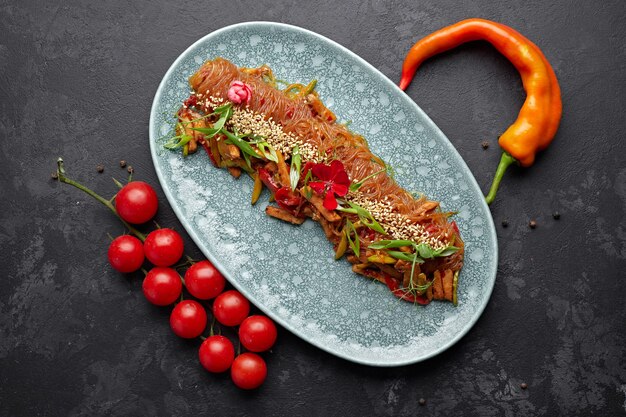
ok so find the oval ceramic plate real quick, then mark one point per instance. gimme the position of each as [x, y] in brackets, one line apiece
[289, 271]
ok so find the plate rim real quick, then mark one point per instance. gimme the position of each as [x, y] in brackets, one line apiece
[198, 241]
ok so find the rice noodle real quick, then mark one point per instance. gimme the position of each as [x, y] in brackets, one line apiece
[308, 119]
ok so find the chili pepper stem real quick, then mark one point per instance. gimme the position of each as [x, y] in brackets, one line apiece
[505, 161]
[98, 197]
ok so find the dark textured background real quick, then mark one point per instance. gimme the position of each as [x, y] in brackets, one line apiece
[77, 79]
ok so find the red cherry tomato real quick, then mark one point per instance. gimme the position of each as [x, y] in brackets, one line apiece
[257, 333]
[126, 253]
[204, 281]
[216, 353]
[188, 319]
[248, 371]
[231, 308]
[162, 286]
[163, 247]
[136, 202]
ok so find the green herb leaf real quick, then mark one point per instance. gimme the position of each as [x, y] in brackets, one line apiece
[266, 150]
[197, 119]
[347, 210]
[403, 256]
[247, 159]
[294, 170]
[177, 142]
[308, 177]
[448, 251]
[208, 132]
[271, 153]
[244, 146]
[425, 251]
[374, 225]
[224, 109]
[364, 216]
[356, 185]
[355, 244]
[387, 244]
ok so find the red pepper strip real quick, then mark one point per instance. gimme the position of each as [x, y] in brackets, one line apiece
[306, 168]
[287, 199]
[404, 295]
[192, 101]
[268, 180]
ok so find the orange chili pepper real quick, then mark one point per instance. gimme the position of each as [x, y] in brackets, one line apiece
[539, 117]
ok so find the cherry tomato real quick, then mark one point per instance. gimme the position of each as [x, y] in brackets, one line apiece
[216, 353]
[162, 286]
[126, 253]
[248, 371]
[257, 333]
[188, 319]
[163, 247]
[204, 281]
[231, 308]
[136, 202]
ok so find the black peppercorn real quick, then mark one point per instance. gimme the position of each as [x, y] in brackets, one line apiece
[54, 176]
[532, 224]
[523, 385]
[505, 223]
[422, 401]
[100, 168]
[556, 215]
[130, 169]
[485, 144]
[122, 163]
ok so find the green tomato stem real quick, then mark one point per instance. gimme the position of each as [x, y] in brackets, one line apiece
[505, 161]
[98, 197]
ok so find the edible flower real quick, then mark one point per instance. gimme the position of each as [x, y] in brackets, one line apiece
[239, 92]
[333, 181]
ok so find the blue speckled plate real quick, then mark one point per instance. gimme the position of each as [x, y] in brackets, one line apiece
[289, 271]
